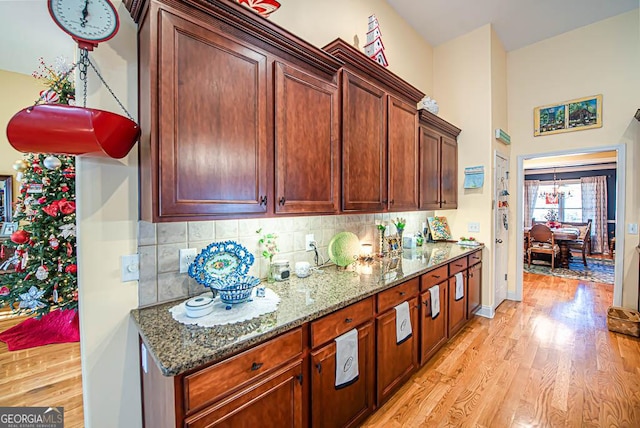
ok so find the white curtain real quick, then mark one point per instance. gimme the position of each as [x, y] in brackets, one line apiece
[530, 195]
[594, 207]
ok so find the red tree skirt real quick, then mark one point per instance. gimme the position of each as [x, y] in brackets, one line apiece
[55, 327]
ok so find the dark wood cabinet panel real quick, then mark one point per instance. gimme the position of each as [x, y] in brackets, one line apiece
[364, 145]
[212, 128]
[348, 406]
[274, 402]
[457, 309]
[403, 155]
[433, 330]
[474, 290]
[429, 169]
[449, 173]
[306, 142]
[396, 362]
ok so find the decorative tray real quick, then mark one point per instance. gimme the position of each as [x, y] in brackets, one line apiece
[220, 260]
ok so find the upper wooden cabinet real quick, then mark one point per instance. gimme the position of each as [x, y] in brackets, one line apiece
[239, 117]
[379, 135]
[438, 163]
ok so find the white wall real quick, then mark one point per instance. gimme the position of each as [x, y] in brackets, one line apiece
[602, 58]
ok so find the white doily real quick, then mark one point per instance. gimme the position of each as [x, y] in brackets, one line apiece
[238, 313]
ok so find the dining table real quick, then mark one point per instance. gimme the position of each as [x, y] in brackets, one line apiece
[562, 236]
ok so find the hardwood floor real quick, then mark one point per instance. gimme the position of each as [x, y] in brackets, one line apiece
[47, 376]
[548, 361]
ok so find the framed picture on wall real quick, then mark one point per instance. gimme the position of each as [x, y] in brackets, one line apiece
[8, 228]
[574, 115]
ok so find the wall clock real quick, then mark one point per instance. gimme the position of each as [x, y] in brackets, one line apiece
[88, 22]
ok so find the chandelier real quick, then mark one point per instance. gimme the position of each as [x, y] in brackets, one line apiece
[557, 192]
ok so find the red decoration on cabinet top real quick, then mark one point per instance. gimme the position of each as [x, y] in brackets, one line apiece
[263, 7]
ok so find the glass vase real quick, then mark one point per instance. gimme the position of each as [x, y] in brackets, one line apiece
[270, 277]
[400, 231]
[381, 242]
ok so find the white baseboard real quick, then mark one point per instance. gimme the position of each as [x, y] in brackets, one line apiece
[486, 311]
[511, 295]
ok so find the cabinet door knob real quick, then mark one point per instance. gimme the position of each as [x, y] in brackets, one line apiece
[348, 320]
[256, 366]
[319, 367]
[384, 201]
[402, 293]
[444, 202]
[282, 201]
[393, 201]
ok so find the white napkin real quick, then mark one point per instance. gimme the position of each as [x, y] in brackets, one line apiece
[435, 301]
[459, 286]
[347, 359]
[403, 322]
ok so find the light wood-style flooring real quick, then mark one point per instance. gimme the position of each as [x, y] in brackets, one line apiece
[46, 376]
[548, 361]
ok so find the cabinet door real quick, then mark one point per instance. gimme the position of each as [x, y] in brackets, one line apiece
[306, 142]
[364, 145]
[457, 308]
[403, 156]
[212, 122]
[433, 330]
[474, 290]
[345, 407]
[396, 362]
[429, 169]
[449, 175]
[274, 402]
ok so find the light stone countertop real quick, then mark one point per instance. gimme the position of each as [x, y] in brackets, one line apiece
[177, 348]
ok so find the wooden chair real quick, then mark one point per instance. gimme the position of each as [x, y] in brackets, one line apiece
[541, 241]
[583, 243]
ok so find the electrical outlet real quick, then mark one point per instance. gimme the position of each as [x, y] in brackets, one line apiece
[130, 267]
[632, 228]
[473, 227]
[187, 256]
[309, 239]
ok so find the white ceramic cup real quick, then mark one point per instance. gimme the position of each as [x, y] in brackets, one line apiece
[303, 269]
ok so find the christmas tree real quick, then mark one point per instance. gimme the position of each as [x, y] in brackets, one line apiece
[44, 262]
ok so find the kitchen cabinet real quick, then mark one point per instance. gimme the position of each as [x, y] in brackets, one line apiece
[433, 331]
[351, 404]
[396, 361]
[474, 284]
[234, 110]
[306, 142]
[379, 135]
[438, 163]
[457, 309]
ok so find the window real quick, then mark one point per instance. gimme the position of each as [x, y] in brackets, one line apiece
[568, 207]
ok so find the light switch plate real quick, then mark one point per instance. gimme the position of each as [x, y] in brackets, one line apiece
[187, 256]
[130, 267]
[632, 228]
[473, 227]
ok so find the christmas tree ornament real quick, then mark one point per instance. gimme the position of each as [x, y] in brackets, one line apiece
[49, 96]
[20, 165]
[67, 207]
[42, 273]
[52, 162]
[69, 172]
[55, 293]
[19, 176]
[69, 250]
[64, 188]
[31, 299]
[59, 265]
[67, 230]
[53, 242]
[52, 209]
[4, 290]
[46, 181]
[20, 237]
[72, 269]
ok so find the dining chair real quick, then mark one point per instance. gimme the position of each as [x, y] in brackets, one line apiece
[541, 241]
[583, 242]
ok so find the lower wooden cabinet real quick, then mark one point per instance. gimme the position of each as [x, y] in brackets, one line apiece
[273, 402]
[433, 331]
[474, 281]
[348, 406]
[457, 309]
[396, 362]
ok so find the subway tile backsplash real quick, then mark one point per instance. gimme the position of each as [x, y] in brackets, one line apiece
[159, 245]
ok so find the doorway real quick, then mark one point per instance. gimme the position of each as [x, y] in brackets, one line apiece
[619, 189]
[501, 227]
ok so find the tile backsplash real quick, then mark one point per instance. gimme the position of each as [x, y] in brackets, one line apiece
[159, 245]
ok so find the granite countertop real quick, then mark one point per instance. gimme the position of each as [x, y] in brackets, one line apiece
[177, 348]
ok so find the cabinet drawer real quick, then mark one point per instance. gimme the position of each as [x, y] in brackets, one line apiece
[398, 294]
[434, 277]
[341, 321]
[211, 383]
[457, 266]
[475, 258]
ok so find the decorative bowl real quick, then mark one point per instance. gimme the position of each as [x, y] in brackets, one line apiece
[234, 289]
[199, 306]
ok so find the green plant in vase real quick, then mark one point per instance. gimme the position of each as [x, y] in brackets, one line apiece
[269, 245]
[382, 227]
[400, 224]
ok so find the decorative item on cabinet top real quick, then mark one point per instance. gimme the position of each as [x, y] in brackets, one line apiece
[262, 7]
[429, 104]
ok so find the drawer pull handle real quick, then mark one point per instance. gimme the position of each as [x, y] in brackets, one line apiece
[348, 320]
[402, 293]
[282, 201]
[436, 276]
[263, 200]
[256, 366]
[319, 367]
[458, 265]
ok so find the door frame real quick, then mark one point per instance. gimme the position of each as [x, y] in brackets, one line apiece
[621, 162]
[497, 154]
